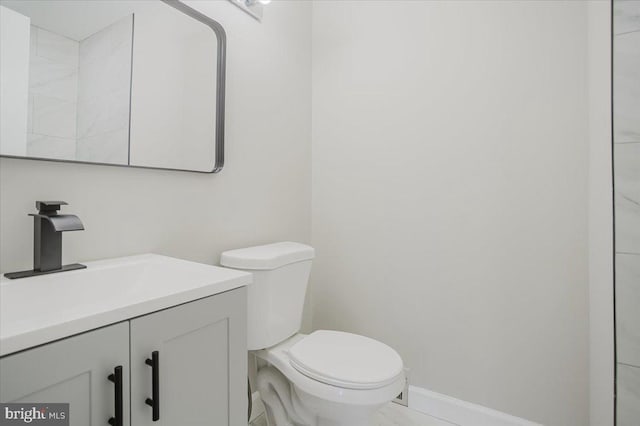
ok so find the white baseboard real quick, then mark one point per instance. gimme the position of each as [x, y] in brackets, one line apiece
[460, 412]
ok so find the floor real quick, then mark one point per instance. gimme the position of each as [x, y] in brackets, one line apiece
[391, 415]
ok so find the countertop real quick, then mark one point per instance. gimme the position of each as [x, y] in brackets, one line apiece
[41, 309]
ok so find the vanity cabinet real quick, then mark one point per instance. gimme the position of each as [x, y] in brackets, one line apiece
[75, 371]
[199, 374]
[200, 347]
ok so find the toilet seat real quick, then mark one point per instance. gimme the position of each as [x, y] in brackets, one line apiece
[346, 360]
[279, 357]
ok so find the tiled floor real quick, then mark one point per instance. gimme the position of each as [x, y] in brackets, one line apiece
[392, 415]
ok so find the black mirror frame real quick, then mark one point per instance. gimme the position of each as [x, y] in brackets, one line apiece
[220, 98]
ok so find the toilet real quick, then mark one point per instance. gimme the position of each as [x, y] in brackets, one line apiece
[326, 378]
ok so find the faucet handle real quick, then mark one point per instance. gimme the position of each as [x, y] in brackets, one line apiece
[49, 207]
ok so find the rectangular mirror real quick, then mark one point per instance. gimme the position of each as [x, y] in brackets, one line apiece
[120, 82]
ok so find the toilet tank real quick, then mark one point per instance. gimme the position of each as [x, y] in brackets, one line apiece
[276, 295]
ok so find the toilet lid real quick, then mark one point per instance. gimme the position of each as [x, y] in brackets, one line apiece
[346, 360]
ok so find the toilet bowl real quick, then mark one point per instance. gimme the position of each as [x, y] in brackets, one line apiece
[326, 378]
[307, 399]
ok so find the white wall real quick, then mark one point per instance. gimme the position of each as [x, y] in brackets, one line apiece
[601, 350]
[450, 158]
[262, 195]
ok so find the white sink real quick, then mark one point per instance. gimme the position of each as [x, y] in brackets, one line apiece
[41, 309]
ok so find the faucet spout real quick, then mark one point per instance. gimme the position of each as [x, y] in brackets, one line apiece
[62, 222]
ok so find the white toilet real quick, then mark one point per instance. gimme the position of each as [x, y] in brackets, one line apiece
[326, 378]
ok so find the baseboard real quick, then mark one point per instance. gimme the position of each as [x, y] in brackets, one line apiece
[460, 412]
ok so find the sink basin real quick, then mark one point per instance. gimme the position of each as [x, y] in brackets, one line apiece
[41, 309]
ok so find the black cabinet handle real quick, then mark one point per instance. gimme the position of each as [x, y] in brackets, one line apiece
[154, 401]
[116, 378]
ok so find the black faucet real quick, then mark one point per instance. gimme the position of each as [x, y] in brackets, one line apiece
[48, 227]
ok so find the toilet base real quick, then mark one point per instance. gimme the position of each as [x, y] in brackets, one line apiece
[287, 405]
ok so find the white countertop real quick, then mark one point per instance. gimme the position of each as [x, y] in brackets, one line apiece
[45, 308]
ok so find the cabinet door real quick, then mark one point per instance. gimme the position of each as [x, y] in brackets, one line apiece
[202, 375]
[73, 370]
